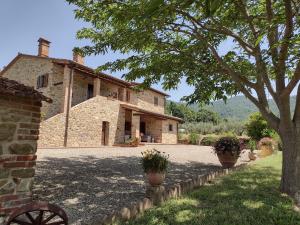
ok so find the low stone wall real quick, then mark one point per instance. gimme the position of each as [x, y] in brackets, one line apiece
[19, 129]
[132, 211]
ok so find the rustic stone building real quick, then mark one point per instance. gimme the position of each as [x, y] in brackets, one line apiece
[19, 131]
[91, 109]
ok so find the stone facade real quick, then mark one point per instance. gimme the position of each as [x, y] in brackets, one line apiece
[26, 71]
[75, 119]
[85, 124]
[169, 136]
[19, 130]
[146, 101]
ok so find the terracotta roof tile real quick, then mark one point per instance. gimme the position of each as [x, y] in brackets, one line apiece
[11, 87]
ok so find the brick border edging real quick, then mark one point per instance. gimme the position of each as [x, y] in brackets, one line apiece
[175, 191]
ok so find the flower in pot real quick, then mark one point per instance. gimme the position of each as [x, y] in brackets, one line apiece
[228, 150]
[266, 146]
[155, 165]
[252, 147]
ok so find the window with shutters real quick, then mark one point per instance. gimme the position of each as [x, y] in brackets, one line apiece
[42, 81]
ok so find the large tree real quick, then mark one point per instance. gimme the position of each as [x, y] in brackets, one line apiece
[167, 40]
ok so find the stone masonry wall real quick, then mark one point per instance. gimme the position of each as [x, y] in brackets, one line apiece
[145, 100]
[169, 137]
[153, 128]
[85, 124]
[52, 132]
[26, 70]
[19, 130]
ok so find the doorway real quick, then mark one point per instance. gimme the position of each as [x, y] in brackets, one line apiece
[142, 128]
[105, 133]
[90, 91]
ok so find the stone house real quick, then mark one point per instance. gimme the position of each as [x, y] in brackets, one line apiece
[19, 131]
[91, 109]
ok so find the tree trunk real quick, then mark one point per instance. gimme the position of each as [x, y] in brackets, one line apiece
[290, 179]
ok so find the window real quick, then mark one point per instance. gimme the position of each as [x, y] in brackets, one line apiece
[170, 127]
[155, 100]
[127, 96]
[42, 81]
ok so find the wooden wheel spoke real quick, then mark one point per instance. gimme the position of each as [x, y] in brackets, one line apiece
[49, 218]
[40, 217]
[57, 223]
[38, 213]
[30, 217]
[20, 222]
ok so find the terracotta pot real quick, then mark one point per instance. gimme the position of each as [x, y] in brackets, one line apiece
[227, 159]
[265, 150]
[155, 178]
[251, 155]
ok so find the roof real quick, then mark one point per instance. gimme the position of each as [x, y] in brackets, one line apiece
[150, 88]
[11, 87]
[157, 115]
[83, 69]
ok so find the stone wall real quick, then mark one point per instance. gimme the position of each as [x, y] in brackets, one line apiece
[26, 70]
[80, 88]
[145, 100]
[85, 124]
[153, 128]
[169, 137]
[19, 130]
[52, 132]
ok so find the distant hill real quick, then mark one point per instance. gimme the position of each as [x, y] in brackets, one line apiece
[239, 107]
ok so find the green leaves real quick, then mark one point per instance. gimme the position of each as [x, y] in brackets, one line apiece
[169, 41]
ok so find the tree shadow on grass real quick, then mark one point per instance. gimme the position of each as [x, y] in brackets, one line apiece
[89, 188]
[247, 197]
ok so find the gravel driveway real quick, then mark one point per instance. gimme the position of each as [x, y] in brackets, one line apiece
[92, 182]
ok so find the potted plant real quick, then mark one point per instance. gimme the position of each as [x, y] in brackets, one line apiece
[266, 146]
[252, 147]
[228, 150]
[155, 165]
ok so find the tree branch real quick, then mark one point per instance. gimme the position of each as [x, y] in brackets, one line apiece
[283, 53]
[296, 117]
[293, 82]
[262, 68]
[273, 33]
[221, 30]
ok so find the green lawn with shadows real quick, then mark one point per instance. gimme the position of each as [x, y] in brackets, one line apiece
[246, 197]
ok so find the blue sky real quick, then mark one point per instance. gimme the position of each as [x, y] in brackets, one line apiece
[22, 22]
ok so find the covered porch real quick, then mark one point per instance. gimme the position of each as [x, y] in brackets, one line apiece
[143, 126]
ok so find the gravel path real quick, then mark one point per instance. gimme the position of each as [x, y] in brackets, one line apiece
[92, 182]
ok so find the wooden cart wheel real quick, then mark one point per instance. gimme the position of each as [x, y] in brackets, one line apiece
[38, 213]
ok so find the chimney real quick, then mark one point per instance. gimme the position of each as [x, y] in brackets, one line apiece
[43, 47]
[77, 57]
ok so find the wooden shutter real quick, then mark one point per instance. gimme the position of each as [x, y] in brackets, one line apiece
[45, 80]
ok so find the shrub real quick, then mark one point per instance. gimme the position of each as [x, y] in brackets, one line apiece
[209, 140]
[257, 127]
[193, 138]
[266, 141]
[252, 145]
[154, 161]
[227, 144]
[204, 128]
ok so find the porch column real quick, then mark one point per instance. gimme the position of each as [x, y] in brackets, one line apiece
[135, 125]
[67, 89]
[97, 85]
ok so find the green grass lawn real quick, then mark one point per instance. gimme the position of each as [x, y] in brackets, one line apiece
[246, 197]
